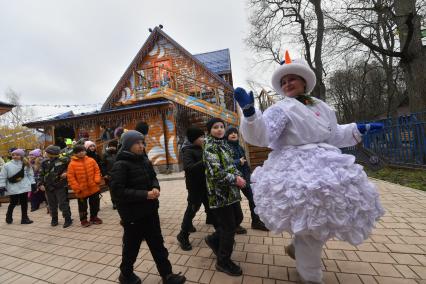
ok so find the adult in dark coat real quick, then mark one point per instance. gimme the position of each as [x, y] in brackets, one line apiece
[195, 179]
[135, 191]
[242, 165]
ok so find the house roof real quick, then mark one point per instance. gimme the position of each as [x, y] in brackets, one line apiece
[5, 107]
[218, 61]
[146, 47]
[71, 116]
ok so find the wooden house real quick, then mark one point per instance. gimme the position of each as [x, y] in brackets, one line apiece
[165, 86]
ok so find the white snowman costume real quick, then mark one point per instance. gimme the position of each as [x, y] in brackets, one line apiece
[307, 187]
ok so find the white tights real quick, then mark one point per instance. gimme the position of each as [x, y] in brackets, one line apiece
[308, 257]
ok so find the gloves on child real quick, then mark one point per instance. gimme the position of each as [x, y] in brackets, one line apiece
[370, 127]
[245, 101]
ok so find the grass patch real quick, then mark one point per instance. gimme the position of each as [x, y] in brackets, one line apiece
[406, 177]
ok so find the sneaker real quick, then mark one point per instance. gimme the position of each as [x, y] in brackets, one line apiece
[129, 279]
[95, 220]
[85, 223]
[192, 229]
[67, 223]
[26, 221]
[229, 267]
[54, 222]
[259, 225]
[291, 251]
[211, 244]
[184, 241]
[240, 230]
[174, 279]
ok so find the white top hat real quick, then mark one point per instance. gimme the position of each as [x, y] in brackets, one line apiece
[296, 66]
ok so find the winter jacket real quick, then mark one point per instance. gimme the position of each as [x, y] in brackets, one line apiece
[221, 173]
[51, 171]
[83, 176]
[109, 160]
[9, 170]
[132, 176]
[94, 155]
[238, 153]
[195, 176]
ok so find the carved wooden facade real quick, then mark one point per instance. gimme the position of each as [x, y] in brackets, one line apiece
[168, 88]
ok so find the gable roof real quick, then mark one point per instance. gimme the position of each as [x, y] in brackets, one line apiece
[218, 61]
[146, 47]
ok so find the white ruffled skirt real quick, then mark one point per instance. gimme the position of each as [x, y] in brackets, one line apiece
[319, 191]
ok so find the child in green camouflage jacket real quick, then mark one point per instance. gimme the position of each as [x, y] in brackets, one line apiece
[223, 186]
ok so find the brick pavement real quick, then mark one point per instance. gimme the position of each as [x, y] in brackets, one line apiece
[38, 253]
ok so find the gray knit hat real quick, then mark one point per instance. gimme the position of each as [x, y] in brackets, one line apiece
[129, 138]
[53, 150]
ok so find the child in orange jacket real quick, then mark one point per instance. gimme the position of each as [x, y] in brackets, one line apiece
[84, 177]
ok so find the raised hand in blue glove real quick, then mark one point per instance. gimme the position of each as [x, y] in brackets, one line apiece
[245, 101]
[370, 127]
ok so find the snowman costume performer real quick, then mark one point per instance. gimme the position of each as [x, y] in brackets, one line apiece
[307, 187]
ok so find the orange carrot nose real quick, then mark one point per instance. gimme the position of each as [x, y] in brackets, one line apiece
[287, 57]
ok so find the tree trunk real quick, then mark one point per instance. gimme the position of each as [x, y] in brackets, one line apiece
[319, 90]
[413, 62]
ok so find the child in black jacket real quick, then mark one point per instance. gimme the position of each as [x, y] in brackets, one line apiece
[240, 162]
[195, 179]
[135, 191]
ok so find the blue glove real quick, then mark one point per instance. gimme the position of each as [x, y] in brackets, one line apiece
[33, 187]
[2, 191]
[370, 127]
[246, 101]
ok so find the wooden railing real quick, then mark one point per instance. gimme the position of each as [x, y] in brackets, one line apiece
[147, 79]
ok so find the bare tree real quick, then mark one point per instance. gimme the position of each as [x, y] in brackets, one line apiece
[375, 25]
[360, 92]
[275, 23]
[18, 115]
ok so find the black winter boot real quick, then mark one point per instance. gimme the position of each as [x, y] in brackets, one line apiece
[229, 267]
[9, 214]
[259, 225]
[129, 279]
[68, 222]
[240, 230]
[26, 220]
[183, 240]
[54, 221]
[174, 279]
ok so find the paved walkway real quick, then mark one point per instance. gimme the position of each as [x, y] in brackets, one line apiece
[38, 253]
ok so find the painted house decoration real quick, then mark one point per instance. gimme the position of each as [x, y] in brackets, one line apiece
[165, 86]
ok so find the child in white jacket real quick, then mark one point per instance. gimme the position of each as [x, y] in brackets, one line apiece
[16, 180]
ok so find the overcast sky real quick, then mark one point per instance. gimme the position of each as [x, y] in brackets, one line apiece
[74, 52]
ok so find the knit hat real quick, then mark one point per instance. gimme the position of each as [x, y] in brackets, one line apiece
[68, 141]
[230, 131]
[142, 127]
[129, 138]
[212, 121]
[193, 133]
[118, 132]
[78, 148]
[35, 153]
[19, 152]
[53, 150]
[297, 67]
[87, 144]
[12, 149]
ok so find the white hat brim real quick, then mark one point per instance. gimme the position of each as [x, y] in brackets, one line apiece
[301, 70]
